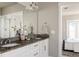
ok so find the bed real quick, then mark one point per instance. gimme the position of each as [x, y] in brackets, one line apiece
[72, 45]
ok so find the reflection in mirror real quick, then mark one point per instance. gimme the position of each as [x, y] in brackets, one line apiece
[17, 17]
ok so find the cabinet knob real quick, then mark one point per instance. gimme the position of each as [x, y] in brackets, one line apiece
[36, 45]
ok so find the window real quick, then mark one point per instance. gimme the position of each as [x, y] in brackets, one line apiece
[73, 29]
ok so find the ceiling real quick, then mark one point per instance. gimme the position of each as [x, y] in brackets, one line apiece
[70, 8]
[4, 4]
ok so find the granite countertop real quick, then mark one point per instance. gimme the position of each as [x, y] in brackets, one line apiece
[23, 43]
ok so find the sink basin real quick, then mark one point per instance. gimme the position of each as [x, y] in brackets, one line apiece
[10, 45]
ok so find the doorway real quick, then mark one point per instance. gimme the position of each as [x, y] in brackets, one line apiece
[68, 27]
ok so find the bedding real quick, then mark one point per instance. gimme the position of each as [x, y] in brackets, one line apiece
[72, 45]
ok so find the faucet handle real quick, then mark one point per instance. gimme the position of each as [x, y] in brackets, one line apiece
[1, 42]
[6, 41]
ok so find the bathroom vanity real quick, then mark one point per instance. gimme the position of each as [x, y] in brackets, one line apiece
[32, 48]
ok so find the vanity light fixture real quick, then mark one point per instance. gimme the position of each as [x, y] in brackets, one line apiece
[33, 6]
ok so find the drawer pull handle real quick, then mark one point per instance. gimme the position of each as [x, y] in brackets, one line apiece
[36, 54]
[36, 45]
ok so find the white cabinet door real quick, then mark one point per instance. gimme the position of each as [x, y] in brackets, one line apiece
[20, 52]
[0, 55]
[9, 54]
[25, 51]
[12, 53]
[31, 50]
[44, 48]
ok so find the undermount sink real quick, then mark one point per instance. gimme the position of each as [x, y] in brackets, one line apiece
[10, 45]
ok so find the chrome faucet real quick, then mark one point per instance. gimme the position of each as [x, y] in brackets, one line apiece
[1, 42]
[7, 41]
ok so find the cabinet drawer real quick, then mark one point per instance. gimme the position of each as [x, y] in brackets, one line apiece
[33, 49]
[36, 46]
[34, 53]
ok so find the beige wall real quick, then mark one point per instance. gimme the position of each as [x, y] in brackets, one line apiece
[0, 11]
[48, 12]
[65, 18]
[30, 18]
[12, 9]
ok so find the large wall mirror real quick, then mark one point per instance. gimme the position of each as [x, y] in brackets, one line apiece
[16, 17]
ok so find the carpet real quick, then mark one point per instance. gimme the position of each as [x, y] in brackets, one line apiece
[70, 54]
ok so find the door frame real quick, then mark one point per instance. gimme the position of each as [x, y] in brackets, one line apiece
[60, 41]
